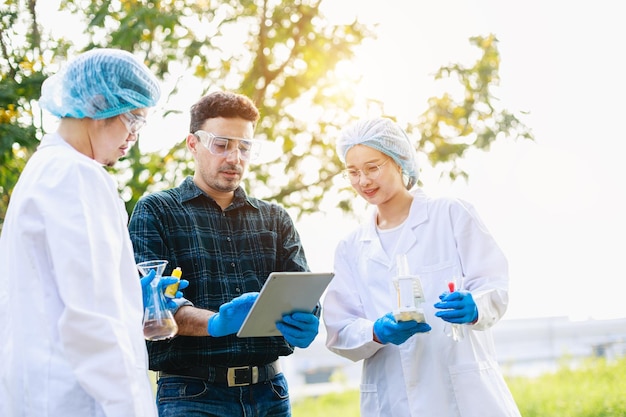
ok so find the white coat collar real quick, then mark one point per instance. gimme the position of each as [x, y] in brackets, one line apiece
[418, 214]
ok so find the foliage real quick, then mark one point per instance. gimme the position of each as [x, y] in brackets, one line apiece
[344, 404]
[284, 55]
[23, 57]
[139, 173]
[595, 389]
[450, 127]
[286, 59]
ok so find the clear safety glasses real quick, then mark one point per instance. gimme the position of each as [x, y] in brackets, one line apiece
[223, 146]
[133, 122]
[369, 170]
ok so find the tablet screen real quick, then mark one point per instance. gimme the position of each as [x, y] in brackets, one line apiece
[283, 292]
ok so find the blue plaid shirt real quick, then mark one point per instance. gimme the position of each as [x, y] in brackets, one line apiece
[223, 254]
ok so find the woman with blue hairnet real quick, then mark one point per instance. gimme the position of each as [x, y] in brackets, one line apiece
[412, 366]
[70, 297]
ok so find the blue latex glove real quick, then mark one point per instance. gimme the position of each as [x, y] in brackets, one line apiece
[145, 281]
[388, 330]
[163, 283]
[298, 328]
[458, 307]
[182, 284]
[231, 315]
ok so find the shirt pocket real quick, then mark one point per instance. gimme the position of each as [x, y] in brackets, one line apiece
[480, 390]
[369, 400]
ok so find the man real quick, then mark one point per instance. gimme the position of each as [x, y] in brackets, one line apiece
[70, 295]
[227, 243]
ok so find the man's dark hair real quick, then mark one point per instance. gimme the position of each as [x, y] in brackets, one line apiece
[222, 104]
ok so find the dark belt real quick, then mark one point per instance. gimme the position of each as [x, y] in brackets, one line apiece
[237, 376]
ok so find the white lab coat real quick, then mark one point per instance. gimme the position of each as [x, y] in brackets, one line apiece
[70, 299]
[430, 375]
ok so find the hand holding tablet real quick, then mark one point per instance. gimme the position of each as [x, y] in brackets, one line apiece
[283, 293]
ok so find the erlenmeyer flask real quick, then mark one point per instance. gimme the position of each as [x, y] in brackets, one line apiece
[158, 321]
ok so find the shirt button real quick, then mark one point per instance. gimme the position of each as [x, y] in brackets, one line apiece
[238, 289]
[232, 264]
[228, 238]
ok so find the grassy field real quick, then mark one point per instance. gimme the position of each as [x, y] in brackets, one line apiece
[596, 388]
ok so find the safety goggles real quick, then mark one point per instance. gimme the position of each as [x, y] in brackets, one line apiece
[133, 122]
[224, 146]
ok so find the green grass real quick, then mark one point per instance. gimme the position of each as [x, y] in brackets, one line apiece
[596, 388]
[345, 404]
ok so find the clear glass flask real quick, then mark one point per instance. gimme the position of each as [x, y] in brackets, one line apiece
[158, 320]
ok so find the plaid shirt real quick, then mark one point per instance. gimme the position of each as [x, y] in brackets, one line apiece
[223, 254]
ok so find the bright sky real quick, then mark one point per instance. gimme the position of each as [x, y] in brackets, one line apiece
[555, 206]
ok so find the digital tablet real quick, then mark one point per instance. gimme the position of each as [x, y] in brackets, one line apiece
[283, 292]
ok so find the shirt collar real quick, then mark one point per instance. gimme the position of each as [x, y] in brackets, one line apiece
[189, 190]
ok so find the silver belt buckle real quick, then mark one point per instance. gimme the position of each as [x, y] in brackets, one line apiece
[231, 376]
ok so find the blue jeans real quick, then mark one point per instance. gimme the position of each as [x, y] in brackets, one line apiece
[193, 397]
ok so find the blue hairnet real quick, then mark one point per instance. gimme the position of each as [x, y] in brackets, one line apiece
[99, 84]
[384, 136]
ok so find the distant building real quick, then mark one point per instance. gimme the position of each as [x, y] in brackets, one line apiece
[535, 346]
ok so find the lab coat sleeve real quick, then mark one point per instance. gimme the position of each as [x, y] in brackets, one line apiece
[100, 327]
[349, 331]
[485, 267]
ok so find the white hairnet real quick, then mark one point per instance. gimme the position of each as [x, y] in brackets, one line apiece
[384, 136]
[99, 84]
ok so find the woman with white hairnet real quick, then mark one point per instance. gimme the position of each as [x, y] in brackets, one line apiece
[70, 297]
[412, 367]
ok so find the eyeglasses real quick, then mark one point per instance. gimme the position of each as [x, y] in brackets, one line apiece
[224, 146]
[369, 170]
[133, 122]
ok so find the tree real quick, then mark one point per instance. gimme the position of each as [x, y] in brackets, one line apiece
[286, 61]
[450, 127]
[22, 65]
